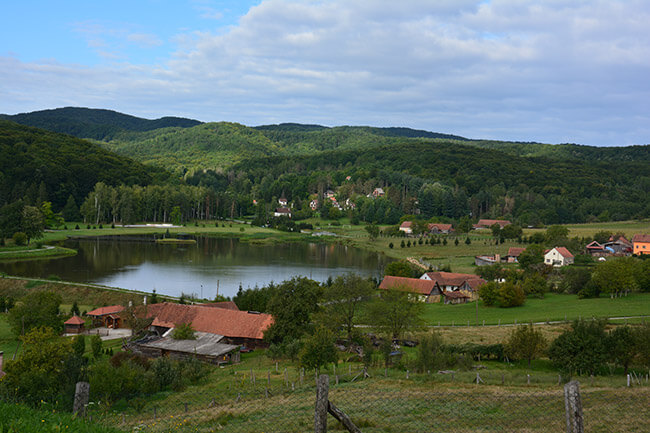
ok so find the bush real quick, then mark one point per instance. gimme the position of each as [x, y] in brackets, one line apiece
[581, 349]
[20, 239]
[183, 331]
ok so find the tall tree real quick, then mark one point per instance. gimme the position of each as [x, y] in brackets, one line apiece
[36, 309]
[343, 299]
[526, 342]
[395, 312]
[292, 305]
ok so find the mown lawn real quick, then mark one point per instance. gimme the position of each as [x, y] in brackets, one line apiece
[554, 307]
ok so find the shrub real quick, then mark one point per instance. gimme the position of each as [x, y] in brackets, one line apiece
[183, 331]
[20, 239]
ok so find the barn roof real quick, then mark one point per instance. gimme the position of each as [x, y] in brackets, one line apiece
[105, 311]
[222, 321]
[412, 285]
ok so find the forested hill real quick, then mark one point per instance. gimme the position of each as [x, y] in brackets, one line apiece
[97, 124]
[42, 165]
[386, 132]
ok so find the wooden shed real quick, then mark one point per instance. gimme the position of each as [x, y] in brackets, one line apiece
[74, 325]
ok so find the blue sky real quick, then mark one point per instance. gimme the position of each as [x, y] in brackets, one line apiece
[553, 71]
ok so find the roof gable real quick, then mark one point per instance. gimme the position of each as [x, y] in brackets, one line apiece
[105, 311]
[641, 238]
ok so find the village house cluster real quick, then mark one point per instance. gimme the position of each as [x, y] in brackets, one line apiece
[450, 287]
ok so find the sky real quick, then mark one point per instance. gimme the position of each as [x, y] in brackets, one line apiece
[553, 71]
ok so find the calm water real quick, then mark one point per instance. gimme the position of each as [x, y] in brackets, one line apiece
[141, 264]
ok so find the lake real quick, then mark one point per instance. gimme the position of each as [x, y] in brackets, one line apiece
[139, 263]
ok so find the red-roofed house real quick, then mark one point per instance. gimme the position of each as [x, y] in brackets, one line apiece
[558, 256]
[282, 211]
[238, 327]
[513, 254]
[456, 282]
[641, 244]
[406, 227]
[437, 228]
[486, 224]
[107, 316]
[74, 325]
[425, 290]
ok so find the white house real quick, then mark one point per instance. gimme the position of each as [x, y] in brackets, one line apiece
[406, 227]
[558, 256]
[282, 211]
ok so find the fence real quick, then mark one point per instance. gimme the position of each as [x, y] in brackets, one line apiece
[381, 404]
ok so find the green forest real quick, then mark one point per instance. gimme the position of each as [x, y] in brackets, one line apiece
[173, 168]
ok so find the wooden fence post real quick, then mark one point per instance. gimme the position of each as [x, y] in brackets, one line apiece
[81, 396]
[573, 408]
[320, 416]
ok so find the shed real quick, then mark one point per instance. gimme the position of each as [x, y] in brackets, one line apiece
[206, 347]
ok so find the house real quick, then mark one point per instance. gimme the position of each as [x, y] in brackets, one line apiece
[558, 256]
[206, 347]
[641, 244]
[237, 327]
[329, 194]
[282, 202]
[425, 290]
[282, 212]
[437, 228]
[313, 204]
[486, 224]
[406, 227]
[108, 317]
[619, 245]
[513, 254]
[456, 282]
[378, 192]
[595, 249]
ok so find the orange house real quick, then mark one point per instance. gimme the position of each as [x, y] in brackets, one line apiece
[641, 244]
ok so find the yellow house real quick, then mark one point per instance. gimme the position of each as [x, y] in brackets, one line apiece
[641, 244]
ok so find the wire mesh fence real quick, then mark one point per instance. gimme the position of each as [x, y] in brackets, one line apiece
[377, 404]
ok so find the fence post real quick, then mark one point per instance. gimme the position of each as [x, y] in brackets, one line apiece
[81, 396]
[320, 416]
[573, 407]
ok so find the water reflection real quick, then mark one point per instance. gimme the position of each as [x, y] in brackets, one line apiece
[140, 263]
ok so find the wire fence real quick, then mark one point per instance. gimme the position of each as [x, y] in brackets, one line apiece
[377, 404]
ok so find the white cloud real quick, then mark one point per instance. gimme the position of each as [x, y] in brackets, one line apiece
[555, 71]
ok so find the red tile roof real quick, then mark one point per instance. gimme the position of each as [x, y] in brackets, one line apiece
[222, 321]
[228, 305]
[413, 285]
[564, 252]
[595, 246]
[489, 223]
[440, 227]
[641, 238]
[455, 279]
[406, 224]
[104, 311]
[515, 251]
[75, 320]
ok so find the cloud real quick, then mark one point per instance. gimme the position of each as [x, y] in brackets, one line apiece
[554, 71]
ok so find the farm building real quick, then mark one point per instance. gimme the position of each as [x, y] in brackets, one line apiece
[74, 325]
[108, 317]
[206, 347]
[425, 290]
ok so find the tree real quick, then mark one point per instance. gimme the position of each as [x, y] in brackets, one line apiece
[534, 284]
[51, 220]
[37, 374]
[343, 298]
[511, 231]
[96, 345]
[318, 349]
[176, 215]
[526, 342]
[399, 268]
[395, 312]
[622, 346]
[493, 272]
[70, 211]
[183, 331]
[32, 223]
[510, 294]
[428, 351]
[373, 231]
[11, 216]
[488, 293]
[556, 235]
[79, 345]
[530, 257]
[615, 276]
[574, 279]
[36, 309]
[582, 349]
[292, 305]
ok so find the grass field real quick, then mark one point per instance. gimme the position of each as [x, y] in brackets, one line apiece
[554, 307]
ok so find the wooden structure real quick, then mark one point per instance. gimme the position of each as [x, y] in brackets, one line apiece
[108, 317]
[425, 290]
[74, 325]
[206, 347]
